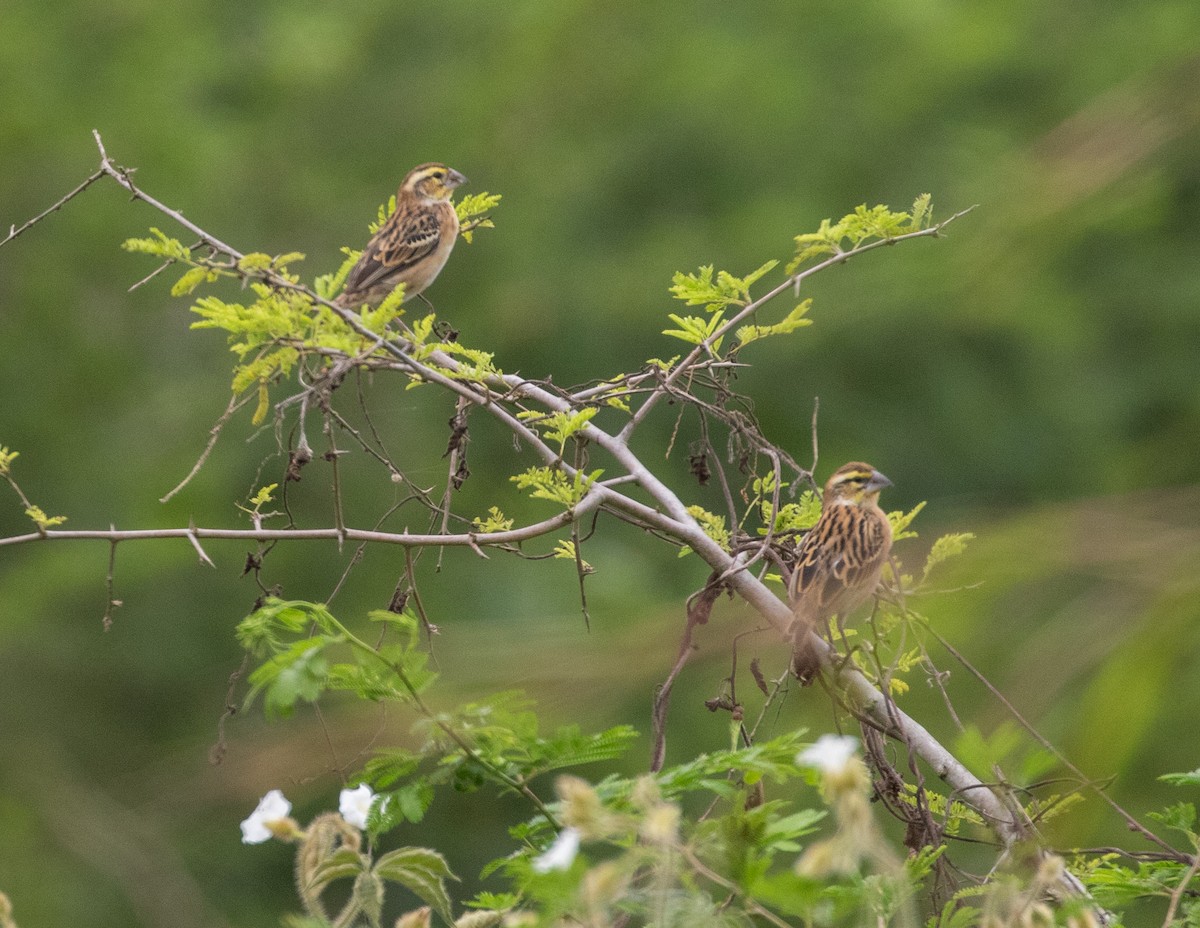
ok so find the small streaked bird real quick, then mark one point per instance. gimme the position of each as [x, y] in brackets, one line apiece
[839, 561]
[413, 245]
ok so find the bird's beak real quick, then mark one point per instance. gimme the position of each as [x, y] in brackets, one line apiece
[454, 179]
[877, 482]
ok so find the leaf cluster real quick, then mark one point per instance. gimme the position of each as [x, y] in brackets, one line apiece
[865, 224]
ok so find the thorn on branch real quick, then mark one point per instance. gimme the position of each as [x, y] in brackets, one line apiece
[191, 536]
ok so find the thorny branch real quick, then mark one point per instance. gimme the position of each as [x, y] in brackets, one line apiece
[501, 397]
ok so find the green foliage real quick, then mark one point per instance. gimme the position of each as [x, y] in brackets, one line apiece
[472, 364]
[799, 516]
[864, 225]
[193, 278]
[553, 484]
[494, 521]
[6, 459]
[794, 320]
[41, 520]
[306, 668]
[641, 855]
[1114, 885]
[1179, 817]
[383, 214]
[565, 550]
[696, 330]
[1007, 747]
[329, 286]
[472, 212]
[423, 872]
[773, 760]
[284, 325]
[944, 548]
[902, 520]
[159, 245]
[716, 292]
[713, 525]
[561, 426]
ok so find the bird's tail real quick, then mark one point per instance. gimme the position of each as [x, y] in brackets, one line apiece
[806, 660]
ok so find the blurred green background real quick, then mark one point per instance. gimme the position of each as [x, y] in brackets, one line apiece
[1033, 376]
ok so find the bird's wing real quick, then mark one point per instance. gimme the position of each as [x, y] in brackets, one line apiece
[402, 242]
[839, 553]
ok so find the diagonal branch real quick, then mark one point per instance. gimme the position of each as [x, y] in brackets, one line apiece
[667, 514]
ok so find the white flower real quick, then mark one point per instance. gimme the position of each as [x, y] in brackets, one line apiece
[355, 805]
[273, 807]
[829, 754]
[561, 854]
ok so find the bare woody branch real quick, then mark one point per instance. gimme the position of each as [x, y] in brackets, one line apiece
[667, 514]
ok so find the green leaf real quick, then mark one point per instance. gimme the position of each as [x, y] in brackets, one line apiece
[413, 800]
[298, 673]
[713, 525]
[570, 748]
[43, 521]
[340, 865]
[799, 516]
[280, 262]
[263, 630]
[255, 261]
[6, 459]
[715, 290]
[495, 521]
[902, 520]
[750, 279]
[865, 224]
[423, 872]
[561, 426]
[1182, 779]
[472, 212]
[790, 323]
[368, 896]
[383, 214]
[193, 278]
[330, 285]
[696, 330]
[565, 550]
[921, 215]
[1181, 817]
[554, 485]
[955, 915]
[263, 496]
[160, 246]
[946, 547]
[496, 901]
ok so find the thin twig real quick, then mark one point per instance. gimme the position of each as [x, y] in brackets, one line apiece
[234, 405]
[1132, 822]
[13, 231]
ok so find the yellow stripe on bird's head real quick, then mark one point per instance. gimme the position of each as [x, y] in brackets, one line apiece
[855, 483]
[433, 181]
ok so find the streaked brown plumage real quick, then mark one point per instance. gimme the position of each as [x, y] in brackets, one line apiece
[413, 245]
[840, 560]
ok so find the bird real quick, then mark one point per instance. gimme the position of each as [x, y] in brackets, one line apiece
[412, 246]
[839, 561]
